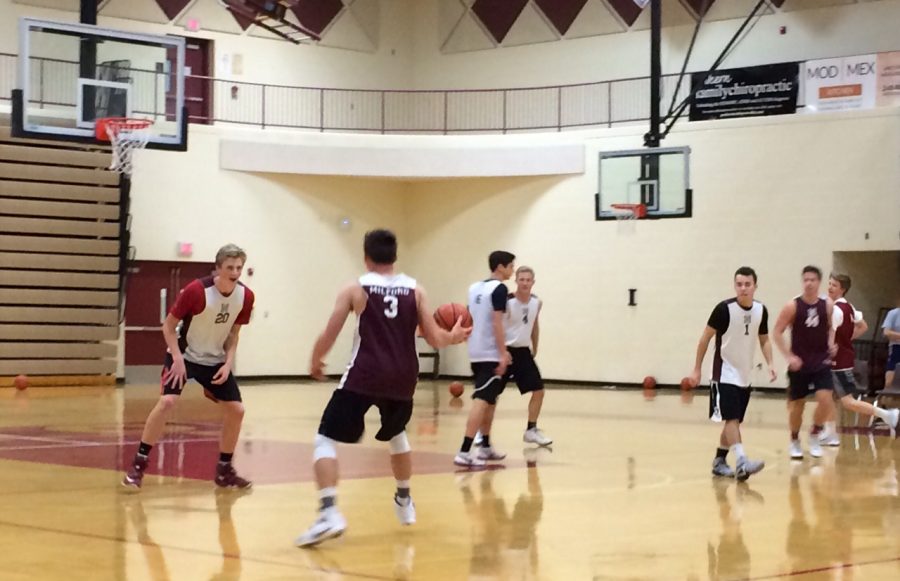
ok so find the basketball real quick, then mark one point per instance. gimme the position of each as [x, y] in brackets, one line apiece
[649, 382]
[446, 316]
[687, 384]
[456, 389]
[21, 382]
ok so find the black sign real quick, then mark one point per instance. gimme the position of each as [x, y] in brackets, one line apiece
[747, 92]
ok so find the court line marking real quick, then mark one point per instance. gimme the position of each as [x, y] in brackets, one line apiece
[822, 569]
[66, 444]
[224, 555]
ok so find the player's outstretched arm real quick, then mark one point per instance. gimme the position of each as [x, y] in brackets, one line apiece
[702, 346]
[434, 335]
[785, 319]
[342, 307]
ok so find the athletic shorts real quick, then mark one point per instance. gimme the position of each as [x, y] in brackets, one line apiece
[203, 374]
[524, 371]
[344, 418]
[845, 383]
[893, 358]
[802, 383]
[727, 402]
[488, 386]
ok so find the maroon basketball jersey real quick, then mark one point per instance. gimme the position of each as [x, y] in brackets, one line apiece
[384, 362]
[843, 336]
[809, 335]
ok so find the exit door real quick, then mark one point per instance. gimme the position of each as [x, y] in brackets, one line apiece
[153, 287]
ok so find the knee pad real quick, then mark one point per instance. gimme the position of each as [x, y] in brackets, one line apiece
[324, 448]
[399, 444]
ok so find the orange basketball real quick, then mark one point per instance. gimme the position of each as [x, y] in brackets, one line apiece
[687, 384]
[21, 382]
[456, 388]
[649, 382]
[446, 315]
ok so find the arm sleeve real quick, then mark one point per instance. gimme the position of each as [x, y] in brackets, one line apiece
[837, 318]
[191, 301]
[498, 297]
[718, 320]
[764, 324]
[889, 320]
[244, 316]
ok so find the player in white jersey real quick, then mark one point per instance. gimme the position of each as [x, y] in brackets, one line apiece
[201, 332]
[522, 335]
[488, 356]
[738, 324]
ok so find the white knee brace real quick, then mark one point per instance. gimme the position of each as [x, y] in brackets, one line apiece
[324, 448]
[399, 444]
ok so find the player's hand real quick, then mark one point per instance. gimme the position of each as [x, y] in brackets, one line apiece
[222, 374]
[694, 378]
[795, 363]
[176, 374]
[458, 333]
[833, 349]
[317, 370]
[772, 375]
[500, 370]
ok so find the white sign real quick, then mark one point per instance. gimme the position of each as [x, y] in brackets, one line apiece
[840, 84]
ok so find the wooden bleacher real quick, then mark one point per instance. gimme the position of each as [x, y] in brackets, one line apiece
[60, 260]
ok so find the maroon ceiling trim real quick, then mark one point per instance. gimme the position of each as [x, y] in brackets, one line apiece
[698, 7]
[628, 10]
[561, 13]
[316, 15]
[498, 16]
[777, 3]
[172, 8]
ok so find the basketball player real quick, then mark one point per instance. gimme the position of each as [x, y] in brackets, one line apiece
[738, 324]
[848, 324]
[211, 311]
[488, 356]
[891, 329]
[382, 372]
[809, 358]
[522, 334]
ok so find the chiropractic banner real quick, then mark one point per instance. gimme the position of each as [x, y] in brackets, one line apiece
[745, 92]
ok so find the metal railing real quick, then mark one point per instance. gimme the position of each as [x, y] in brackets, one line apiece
[551, 108]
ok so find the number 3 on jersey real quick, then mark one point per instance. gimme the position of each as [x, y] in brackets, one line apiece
[391, 311]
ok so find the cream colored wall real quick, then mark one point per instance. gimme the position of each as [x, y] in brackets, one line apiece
[290, 227]
[772, 194]
[856, 28]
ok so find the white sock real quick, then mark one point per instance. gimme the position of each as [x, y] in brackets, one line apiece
[882, 413]
[830, 428]
[738, 450]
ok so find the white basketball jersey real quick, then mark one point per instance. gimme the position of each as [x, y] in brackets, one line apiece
[519, 321]
[737, 339]
[482, 344]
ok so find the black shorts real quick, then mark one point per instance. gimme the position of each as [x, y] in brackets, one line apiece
[344, 418]
[524, 370]
[727, 402]
[802, 383]
[893, 358]
[845, 383]
[203, 374]
[488, 386]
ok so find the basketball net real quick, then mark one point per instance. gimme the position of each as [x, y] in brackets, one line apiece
[126, 136]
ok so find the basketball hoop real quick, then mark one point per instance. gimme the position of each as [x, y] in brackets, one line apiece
[626, 216]
[125, 135]
[629, 211]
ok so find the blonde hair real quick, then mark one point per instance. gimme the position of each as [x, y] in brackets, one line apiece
[230, 251]
[522, 269]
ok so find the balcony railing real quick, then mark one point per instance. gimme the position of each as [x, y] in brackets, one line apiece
[551, 108]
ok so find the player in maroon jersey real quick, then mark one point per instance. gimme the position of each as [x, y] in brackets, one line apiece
[809, 358]
[211, 312]
[382, 372]
[848, 324]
